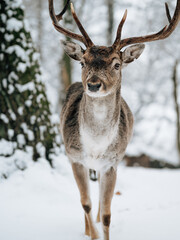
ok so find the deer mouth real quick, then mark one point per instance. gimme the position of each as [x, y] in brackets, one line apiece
[96, 90]
[94, 87]
[94, 84]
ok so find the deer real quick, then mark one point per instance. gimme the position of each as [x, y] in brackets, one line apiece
[96, 123]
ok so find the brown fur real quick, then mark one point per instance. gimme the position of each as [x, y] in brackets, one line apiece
[106, 220]
[87, 209]
[96, 122]
[105, 121]
[70, 124]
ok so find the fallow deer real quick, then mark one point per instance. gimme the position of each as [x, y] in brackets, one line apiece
[96, 122]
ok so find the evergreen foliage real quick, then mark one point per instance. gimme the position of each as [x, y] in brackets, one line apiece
[25, 116]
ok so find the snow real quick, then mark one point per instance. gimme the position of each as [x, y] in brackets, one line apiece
[30, 135]
[38, 78]
[15, 4]
[55, 118]
[10, 13]
[42, 130]
[3, 18]
[35, 56]
[28, 103]
[2, 46]
[33, 119]
[8, 37]
[19, 51]
[14, 25]
[6, 147]
[2, 30]
[4, 118]
[1, 57]
[21, 67]
[12, 114]
[39, 97]
[28, 86]
[42, 203]
[20, 110]
[12, 76]
[19, 159]
[27, 26]
[10, 133]
[10, 89]
[20, 139]
[4, 83]
[40, 149]
[27, 131]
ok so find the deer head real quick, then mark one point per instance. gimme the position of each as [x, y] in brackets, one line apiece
[101, 65]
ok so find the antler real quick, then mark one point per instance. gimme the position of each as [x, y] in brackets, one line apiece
[164, 33]
[118, 35]
[84, 38]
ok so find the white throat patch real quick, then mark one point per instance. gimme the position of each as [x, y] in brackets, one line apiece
[100, 112]
[95, 146]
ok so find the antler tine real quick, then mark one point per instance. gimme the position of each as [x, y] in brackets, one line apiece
[56, 18]
[174, 20]
[81, 28]
[164, 33]
[119, 31]
[59, 16]
[168, 13]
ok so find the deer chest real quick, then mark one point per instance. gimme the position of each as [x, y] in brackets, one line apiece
[96, 146]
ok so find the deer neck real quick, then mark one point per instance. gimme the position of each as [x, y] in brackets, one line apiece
[100, 113]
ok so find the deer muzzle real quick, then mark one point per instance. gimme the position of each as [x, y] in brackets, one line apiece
[94, 87]
[94, 84]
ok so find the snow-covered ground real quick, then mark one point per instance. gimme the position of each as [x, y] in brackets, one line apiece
[43, 204]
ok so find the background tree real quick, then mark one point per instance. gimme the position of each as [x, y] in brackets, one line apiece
[110, 15]
[177, 108]
[40, 26]
[147, 84]
[25, 116]
[65, 61]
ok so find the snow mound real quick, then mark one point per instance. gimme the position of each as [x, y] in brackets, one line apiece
[42, 203]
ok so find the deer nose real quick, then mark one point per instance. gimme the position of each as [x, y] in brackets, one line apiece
[94, 87]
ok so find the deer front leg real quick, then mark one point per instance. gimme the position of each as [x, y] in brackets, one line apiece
[98, 218]
[107, 184]
[87, 229]
[82, 180]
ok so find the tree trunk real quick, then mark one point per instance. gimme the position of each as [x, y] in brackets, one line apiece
[110, 6]
[40, 26]
[66, 64]
[175, 95]
[25, 116]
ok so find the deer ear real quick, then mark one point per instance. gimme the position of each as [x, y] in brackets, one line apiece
[74, 50]
[131, 53]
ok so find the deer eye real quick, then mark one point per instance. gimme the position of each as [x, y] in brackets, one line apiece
[82, 64]
[116, 66]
